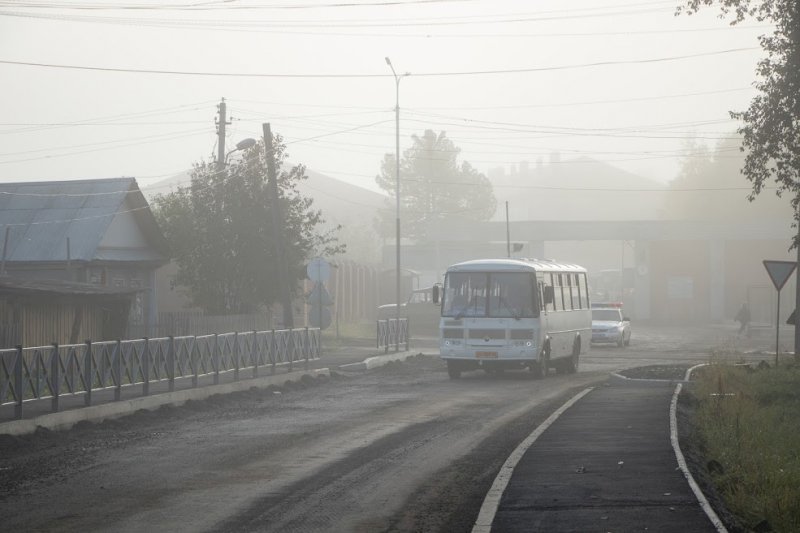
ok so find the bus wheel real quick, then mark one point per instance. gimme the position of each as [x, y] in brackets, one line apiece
[453, 370]
[571, 365]
[539, 369]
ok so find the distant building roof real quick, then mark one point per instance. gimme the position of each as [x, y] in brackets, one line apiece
[42, 215]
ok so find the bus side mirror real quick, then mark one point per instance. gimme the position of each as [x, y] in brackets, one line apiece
[435, 294]
[548, 294]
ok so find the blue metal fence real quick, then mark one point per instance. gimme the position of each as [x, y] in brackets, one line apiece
[54, 371]
[392, 331]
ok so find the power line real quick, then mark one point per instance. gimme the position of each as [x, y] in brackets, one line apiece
[364, 75]
[150, 139]
[585, 102]
[109, 118]
[217, 6]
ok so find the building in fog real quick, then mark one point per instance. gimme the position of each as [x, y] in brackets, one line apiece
[90, 245]
[668, 265]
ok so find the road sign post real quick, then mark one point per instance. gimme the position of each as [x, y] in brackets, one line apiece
[779, 272]
[319, 316]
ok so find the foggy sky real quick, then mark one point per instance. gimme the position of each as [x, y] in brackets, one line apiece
[317, 72]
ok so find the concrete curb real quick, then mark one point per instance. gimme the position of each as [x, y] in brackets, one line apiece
[97, 413]
[676, 446]
[378, 360]
[660, 381]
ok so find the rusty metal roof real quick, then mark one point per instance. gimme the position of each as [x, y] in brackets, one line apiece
[42, 215]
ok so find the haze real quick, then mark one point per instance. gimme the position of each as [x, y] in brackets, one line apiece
[621, 82]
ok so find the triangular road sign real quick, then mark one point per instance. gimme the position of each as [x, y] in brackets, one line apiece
[779, 271]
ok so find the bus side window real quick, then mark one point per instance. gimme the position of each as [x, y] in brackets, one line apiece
[559, 295]
[568, 292]
[584, 288]
[573, 289]
[584, 291]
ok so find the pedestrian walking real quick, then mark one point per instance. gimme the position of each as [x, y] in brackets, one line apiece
[743, 318]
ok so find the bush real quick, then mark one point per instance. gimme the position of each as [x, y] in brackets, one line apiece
[749, 423]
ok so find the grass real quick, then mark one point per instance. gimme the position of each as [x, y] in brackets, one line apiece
[349, 334]
[748, 422]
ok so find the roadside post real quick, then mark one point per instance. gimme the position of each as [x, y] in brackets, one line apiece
[319, 316]
[779, 272]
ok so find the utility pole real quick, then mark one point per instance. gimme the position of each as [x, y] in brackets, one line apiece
[277, 221]
[508, 234]
[221, 123]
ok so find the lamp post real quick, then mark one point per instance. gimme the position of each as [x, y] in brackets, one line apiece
[397, 189]
[244, 144]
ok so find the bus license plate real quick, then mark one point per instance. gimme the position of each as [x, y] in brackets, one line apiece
[486, 355]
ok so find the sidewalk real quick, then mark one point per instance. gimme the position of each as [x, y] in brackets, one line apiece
[606, 464]
[72, 408]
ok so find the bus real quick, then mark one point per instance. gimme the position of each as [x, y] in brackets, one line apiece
[499, 314]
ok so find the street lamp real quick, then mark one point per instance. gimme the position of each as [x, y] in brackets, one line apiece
[397, 186]
[244, 144]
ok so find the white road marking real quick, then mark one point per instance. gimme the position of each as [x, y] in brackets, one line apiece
[483, 524]
[673, 436]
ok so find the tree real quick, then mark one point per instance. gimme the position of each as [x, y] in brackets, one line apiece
[221, 233]
[771, 125]
[434, 186]
[709, 186]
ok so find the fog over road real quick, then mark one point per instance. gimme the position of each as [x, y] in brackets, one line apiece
[400, 448]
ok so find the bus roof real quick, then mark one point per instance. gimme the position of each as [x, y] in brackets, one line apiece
[514, 265]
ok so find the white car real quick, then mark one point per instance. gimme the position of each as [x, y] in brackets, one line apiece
[610, 325]
[422, 313]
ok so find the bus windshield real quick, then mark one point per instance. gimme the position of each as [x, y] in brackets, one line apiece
[489, 294]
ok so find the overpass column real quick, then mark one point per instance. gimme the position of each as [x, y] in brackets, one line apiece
[536, 250]
[642, 280]
[716, 280]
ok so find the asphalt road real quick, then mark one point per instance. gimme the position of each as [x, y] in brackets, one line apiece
[399, 448]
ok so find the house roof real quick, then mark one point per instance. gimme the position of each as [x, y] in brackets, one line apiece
[40, 216]
[15, 285]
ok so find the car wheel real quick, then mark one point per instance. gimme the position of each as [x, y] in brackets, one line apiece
[453, 370]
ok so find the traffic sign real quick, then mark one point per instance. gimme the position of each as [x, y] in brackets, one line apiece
[319, 295]
[318, 270]
[319, 317]
[779, 271]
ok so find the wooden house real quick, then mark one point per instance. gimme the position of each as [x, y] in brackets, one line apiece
[92, 246]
